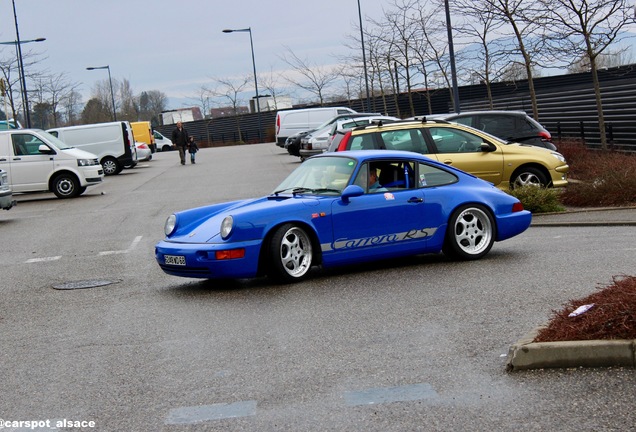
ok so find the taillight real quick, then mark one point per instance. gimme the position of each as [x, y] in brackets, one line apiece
[344, 143]
[517, 207]
[545, 136]
[277, 124]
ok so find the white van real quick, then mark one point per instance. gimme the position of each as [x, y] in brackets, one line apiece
[113, 143]
[290, 122]
[36, 161]
[163, 143]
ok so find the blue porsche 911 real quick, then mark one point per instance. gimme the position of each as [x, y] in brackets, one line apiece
[343, 208]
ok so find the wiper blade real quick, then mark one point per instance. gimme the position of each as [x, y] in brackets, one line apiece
[327, 190]
[294, 190]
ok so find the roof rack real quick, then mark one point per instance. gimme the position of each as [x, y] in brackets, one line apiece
[380, 123]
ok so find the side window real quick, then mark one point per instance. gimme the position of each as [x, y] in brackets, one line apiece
[26, 144]
[362, 142]
[466, 121]
[386, 176]
[405, 139]
[448, 140]
[500, 126]
[429, 176]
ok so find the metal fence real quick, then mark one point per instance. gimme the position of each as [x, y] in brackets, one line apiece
[567, 108]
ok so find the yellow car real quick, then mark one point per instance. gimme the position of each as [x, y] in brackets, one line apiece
[506, 165]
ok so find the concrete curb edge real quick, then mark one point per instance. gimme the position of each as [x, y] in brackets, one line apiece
[526, 354]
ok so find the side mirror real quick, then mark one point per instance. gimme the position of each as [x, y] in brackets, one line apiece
[45, 149]
[487, 147]
[351, 191]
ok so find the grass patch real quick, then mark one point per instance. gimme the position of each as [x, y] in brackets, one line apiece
[538, 199]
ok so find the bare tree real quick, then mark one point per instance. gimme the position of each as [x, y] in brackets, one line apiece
[313, 79]
[53, 90]
[479, 25]
[271, 84]
[203, 100]
[525, 21]
[129, 105]
[588, 27]
[229, 91]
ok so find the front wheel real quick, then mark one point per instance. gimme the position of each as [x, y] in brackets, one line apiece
[470, 234]
[66, 186]
[291, 254]
[529, 177]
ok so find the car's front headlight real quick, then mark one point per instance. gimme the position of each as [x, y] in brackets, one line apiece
[86, 162]
[226, 227]
[559, 156]
[171, 224]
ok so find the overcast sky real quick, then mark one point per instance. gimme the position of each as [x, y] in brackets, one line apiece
[177, 46]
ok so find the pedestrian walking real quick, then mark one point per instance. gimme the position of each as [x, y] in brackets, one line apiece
[193, 148]
[180, 139]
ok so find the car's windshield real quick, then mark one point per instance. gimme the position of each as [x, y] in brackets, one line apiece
[55, 140]
[319, 176]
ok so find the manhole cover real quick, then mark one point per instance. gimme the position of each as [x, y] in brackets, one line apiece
[94, 283]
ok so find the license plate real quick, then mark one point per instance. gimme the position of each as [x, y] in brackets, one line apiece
[175, 260]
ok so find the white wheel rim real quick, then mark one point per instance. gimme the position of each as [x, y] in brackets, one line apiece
[473, 231]
[295, 252]
[527, 179]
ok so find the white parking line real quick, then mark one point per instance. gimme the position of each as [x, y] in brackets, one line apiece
[132, 246]
[44, 259]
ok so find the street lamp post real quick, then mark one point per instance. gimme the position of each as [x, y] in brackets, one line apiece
[110, 80]
[364, 58]
[25, 98]
[258, 103]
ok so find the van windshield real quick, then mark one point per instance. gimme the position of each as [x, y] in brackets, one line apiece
[54, 140]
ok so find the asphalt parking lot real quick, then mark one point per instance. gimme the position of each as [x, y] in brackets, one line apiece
[416, 344]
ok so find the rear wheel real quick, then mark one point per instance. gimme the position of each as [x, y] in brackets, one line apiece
[290, 253]
[470, 234]
[111, 166]
[66, 186]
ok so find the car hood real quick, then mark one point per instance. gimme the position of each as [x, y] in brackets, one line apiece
[77, 153]
[251, 217]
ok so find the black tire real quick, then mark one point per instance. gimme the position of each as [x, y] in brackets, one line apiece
[166, 148]
[65, 185]
[528, 176]
[290, 254]
[111, 166]
[470, 234]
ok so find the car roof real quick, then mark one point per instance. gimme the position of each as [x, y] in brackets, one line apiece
[477, 112]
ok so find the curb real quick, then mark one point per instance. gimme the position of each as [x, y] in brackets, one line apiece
[582, 224]
[526, 354]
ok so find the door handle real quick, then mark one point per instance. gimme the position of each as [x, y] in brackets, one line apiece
[415, 200]
[17, 158]
[448, 162]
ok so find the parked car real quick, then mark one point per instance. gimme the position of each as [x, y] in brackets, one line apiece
[325, 213]
[511, 126]
[290, 122]
[144, 153]
[36, 161]
[505, 165]
[293, 143]
[6, 196]
[317, 141]
[163, 143]
[112, 142]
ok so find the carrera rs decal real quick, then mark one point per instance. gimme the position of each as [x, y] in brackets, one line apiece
[345, 243]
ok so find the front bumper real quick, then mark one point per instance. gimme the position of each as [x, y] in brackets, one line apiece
[7, 201]
[200, 260]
